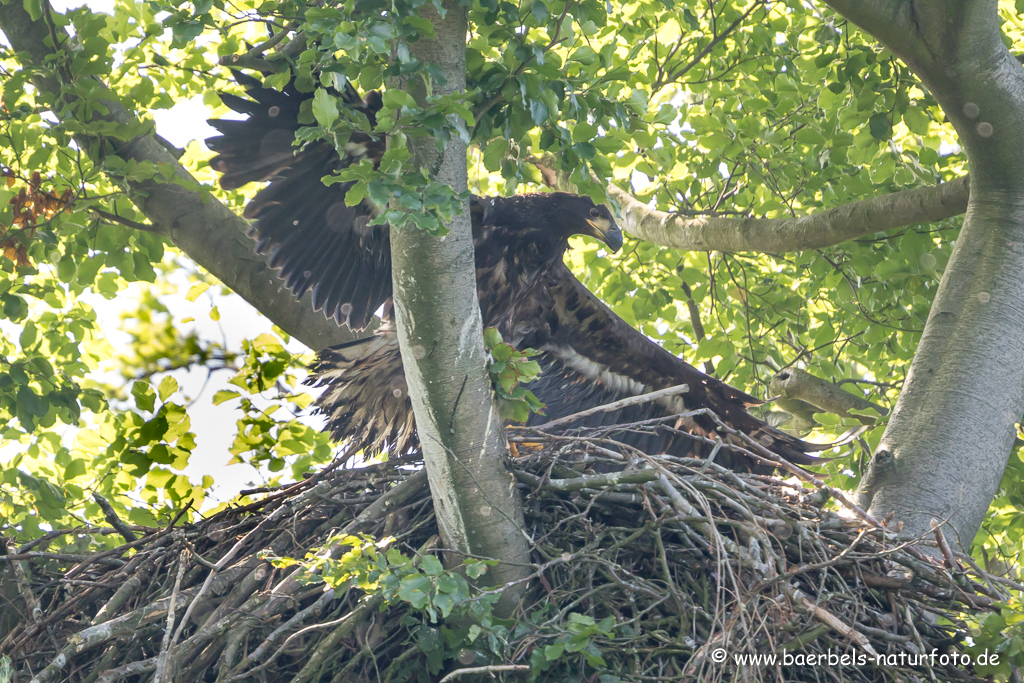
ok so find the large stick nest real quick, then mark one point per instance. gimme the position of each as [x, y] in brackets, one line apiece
[688, 560]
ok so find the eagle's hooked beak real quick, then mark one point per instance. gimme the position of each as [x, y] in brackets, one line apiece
[608, 232]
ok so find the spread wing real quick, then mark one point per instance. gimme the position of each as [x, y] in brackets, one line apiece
[312, 237]
[591, 357]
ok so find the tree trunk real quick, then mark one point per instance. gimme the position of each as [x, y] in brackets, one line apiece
[953, 427]
[441, 337]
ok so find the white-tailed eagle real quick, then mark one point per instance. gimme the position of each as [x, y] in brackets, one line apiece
[589, 355]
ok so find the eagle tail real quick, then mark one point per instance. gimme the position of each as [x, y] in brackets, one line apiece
[366, 400]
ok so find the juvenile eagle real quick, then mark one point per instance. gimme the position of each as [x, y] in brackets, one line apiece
[588, 354]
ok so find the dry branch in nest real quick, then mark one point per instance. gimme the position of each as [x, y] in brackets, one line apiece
[647, 568]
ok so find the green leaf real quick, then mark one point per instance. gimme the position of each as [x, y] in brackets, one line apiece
[917, 121]
[31, 402]
[491, 337]
[539, 10]
[168, 385]
[28, 335]
[15, 308]
[145, 399]
[880, 127]
[34, 9]
[554, 651]
[355, 194]
[49, 496]
[451, 584]
[106, 284]
[475, 569]
[66, 269]
[196, 290]
[75, 468]
[151, 431]
[395, 98]
[415, 590]
[539, 111]
[431, 566]
[494, 154]
[224, 395]
[891, 269]
[583, 131]
[809, 136]
[445, 603]
[325, 108]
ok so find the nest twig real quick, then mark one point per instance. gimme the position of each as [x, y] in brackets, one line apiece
[701, 571]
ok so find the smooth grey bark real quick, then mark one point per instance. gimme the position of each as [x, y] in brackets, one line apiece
[780, 235]
[802, 392]
[441, 337]
[951, 432]
[203, 228]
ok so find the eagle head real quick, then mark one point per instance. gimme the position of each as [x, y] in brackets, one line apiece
[542, 222]
[575, 214]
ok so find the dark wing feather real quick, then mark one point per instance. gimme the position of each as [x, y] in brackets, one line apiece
[313, 238]
[594, 357]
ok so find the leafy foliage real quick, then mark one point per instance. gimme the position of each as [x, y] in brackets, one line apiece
[732, 107]
[1001, 633]
[449, 620]
[510, 369]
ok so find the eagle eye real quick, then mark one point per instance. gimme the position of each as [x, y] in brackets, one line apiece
[595, 213]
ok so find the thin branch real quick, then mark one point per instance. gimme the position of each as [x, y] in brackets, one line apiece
[490, 669]
[608, 407]
[110, 514]
[163, 662]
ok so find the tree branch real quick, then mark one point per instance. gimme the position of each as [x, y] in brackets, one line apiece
[203, 228]
[818, 395]
[780, 235]
[892, 23]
